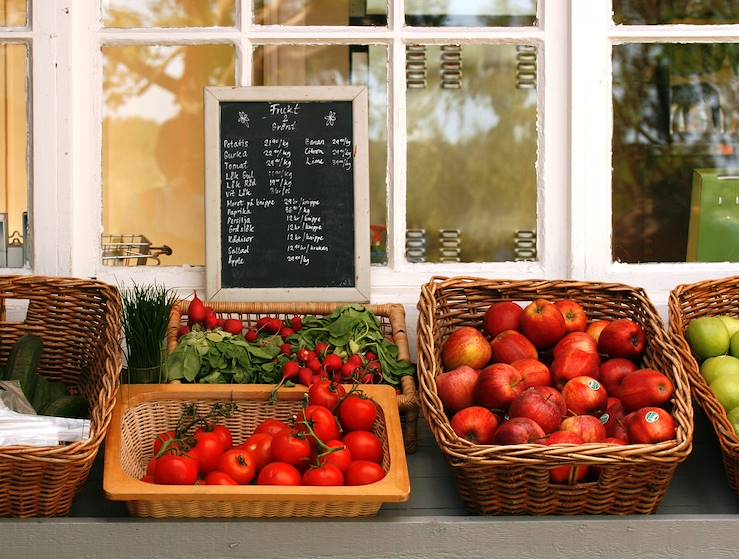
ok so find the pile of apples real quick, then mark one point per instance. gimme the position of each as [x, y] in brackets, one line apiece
[545, 374]
[714, 341]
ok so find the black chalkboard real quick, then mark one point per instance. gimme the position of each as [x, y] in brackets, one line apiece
[286, 195]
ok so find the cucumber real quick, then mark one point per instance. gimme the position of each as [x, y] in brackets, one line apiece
[66, 406]
[23, 361]
[47, 391]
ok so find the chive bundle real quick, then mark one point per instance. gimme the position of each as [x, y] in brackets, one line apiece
[146, 311]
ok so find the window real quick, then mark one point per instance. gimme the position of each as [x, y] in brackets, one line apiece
[509, 138]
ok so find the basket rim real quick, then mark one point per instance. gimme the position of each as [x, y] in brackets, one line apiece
[464, 452]
[702, 393]
[119, 486]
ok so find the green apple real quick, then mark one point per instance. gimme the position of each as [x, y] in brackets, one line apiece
[718, 366]
[708, 337]
[726, 389]
[734, 419]
[731, 323]
[734, 345]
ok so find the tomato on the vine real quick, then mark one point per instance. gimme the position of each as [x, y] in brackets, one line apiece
[357, 413]
[272, 426]
[176, 469]
[207, 450]
[279, 473]
[239, 464]
[161, 439]
[221, 432]
[362, 472]
[259, 444]
[326, 393]
[219, 478]
[319, 421]
[325, 475]
[364, 445]
[292, 448]
[340, 458]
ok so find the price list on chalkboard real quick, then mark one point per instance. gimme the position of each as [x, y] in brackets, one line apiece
[287, 198]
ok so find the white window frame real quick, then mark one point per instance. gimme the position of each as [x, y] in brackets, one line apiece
[593, 36]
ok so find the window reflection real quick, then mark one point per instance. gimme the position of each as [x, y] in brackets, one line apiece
[341, 65]
[169, 13]
[676, 136]
[675, 11]
[153, 144]
[13, 13]
[320, 12]
[470, 13]
[471, 153]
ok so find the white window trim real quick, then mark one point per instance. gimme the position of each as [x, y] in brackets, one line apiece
[593, 34]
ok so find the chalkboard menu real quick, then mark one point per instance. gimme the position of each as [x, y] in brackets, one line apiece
[287, 205]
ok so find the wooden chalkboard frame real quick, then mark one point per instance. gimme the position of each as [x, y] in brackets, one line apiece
[213, 96]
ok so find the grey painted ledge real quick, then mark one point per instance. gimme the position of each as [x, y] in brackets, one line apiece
[699, 518]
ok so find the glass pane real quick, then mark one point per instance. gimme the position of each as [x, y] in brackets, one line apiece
[471, 153]
[13, 13]
[675, 142]
[14, 233]
[675, 11]
[341, 65]
[320, 12]
[470, 13]
[153, 149]
[169, 13]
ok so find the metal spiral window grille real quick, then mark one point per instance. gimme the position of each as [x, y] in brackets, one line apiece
[451, 66]
[525, 67]
[450, 245]
[415, 245]
[416, 72]
[524, 245]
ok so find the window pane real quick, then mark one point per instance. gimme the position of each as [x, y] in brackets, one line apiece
[169, 13]
[471, 153]
[320, 12]
[13, 13]
[470, 13]
[675, 11]
[14, 233]
[153, 146]
[676, 120]
[341, 65]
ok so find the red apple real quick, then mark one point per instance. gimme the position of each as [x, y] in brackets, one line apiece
[510, 346]
[589, 428]
[543, 404]
[566, 474]
[519, 430]
[595, 328]
[650, 425]
[623, 338]
[613, 370]
[584, 395]
[644, 388]
[534, 372]
[476, 424]
[501, 317]
[574, 363]
[465, 346]
[575, 318]
[613, 419]
[456, 388]
[575, 340]
[542, 323]
[497, 386]
[615, 440]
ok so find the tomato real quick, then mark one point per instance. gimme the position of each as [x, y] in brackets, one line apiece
[326, 393]
[272, 426]
[151, 467]
[208, 450]
[293, 448]
[327, 474]
[364, 445]
[222, 432]
[239, 464]
[321, 421]
[361, 472]
[176, 469]
[148, 478]
[161, 439]
[279, 473]
[219, 478]
[339, 458]
[259, 444]
[357, 413]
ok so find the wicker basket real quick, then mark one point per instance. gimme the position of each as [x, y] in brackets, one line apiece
[79, 322]
[707, 298]
[494, 479]
[143, 411]
[392, 321]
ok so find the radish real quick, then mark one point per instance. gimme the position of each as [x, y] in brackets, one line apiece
[286, 349]
[286, 332]
[297, 323]
[332, 363]
[305, 376]
[196, 309]
[211, 320]
[182, 330]
[251, 335]
[233, 326]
